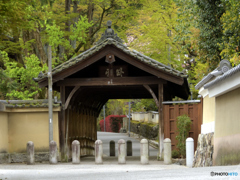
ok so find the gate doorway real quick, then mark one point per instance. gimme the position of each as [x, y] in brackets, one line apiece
[108, 70]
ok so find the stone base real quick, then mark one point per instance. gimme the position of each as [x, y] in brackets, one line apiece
[179, 161]
[204, 154]
[22, 157]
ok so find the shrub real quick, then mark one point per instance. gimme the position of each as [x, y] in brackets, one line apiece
[113, 123]
[175, 154]
[183, 128]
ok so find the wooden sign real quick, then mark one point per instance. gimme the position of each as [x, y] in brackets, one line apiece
[114, 71]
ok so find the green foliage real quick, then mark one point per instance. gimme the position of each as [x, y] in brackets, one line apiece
[117, 107]
[151, 34]
[142, 105]
[175, 154]
[26, 87]
[183, 128]
[6, 84]
[231, 30]
[203, 31]
[199, 22]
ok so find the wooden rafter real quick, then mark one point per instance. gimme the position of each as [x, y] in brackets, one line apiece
[70, 96]
[152, 93]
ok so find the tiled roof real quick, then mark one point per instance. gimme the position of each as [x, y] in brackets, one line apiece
[44, 105]
[224, 67]
[27, 103]
[226, 75]
[204, 80]
[112, 39]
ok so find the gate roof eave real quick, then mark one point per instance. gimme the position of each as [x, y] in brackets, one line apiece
[109, 42]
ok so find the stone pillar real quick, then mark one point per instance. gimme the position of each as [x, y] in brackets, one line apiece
[53, 152]
[129, 148]
[112, 148]
[167, 151]
[98, 152]
[189, 152]
[121, 152]
[30, 153]
[144, 151]
[75, 152]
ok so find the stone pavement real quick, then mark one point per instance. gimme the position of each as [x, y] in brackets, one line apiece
[106, 137]
[110, 169]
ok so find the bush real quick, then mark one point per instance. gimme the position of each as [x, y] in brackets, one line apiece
[113, 123]
[183, 128]
[175, 154]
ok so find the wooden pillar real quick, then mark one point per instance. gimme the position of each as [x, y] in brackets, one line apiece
[84, 131]
[62, 124]
[81, 129]
[160, 121]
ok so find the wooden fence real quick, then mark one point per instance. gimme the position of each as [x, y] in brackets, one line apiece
[170, 114]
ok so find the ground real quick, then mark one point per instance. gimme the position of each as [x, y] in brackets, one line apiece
[110, 169]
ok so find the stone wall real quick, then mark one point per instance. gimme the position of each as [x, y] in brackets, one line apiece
[147, 130]
[22, 157]
[204, 153]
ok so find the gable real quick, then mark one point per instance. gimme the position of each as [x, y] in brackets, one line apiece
[132, 58]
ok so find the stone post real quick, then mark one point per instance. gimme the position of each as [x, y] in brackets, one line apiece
[144, 151]
[129, 148]
[167, 151]
[189, 152]
[75, 152]
[98, 152]
[30, 153]
[53, 152]
[121, 152]
[112, 148]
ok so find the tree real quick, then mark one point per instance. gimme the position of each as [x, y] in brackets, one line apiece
[231, 31]
[6, 85]
[142, 105]
[154, 32]
[200, 32]
[21, 82]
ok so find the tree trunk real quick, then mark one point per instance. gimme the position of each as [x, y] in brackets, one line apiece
[90, 18]
[37, 46]
[75, 20]
[67, 12]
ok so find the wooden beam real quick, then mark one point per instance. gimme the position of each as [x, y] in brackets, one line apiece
[152, 93]
[160, 121]
[77, 67]
[70, 96]
[120, 54]
[110, 81]
[148, 68]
